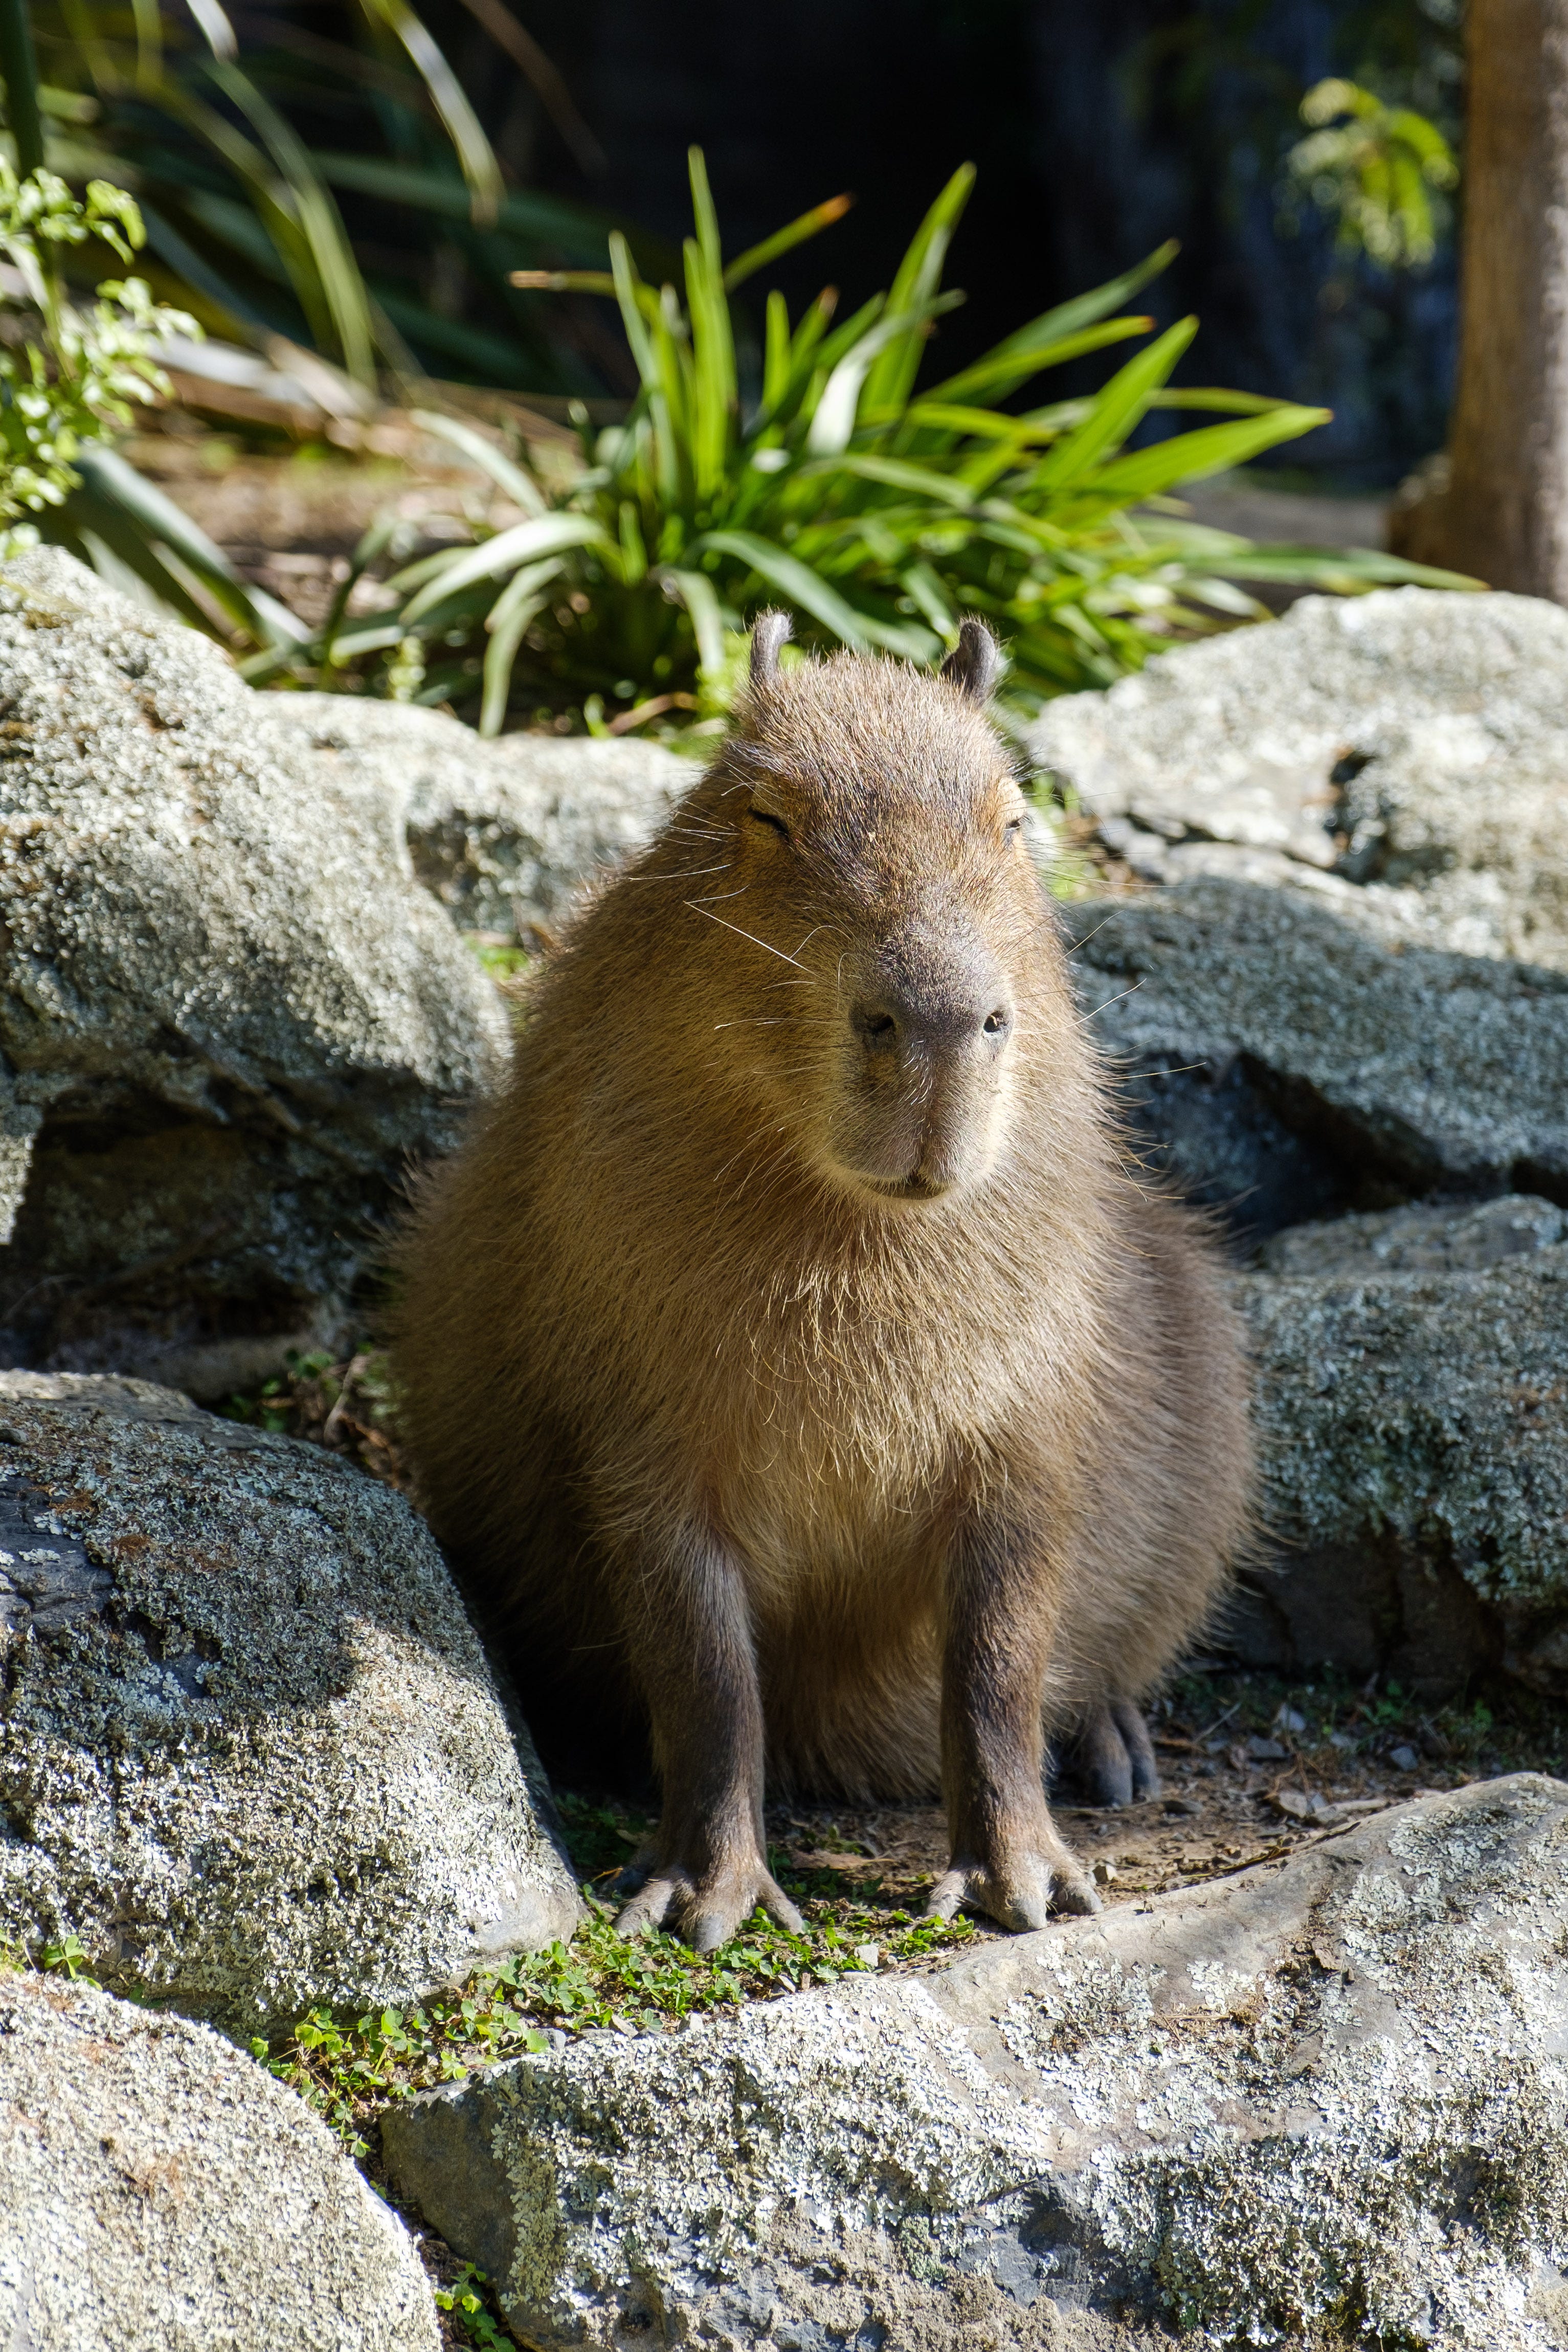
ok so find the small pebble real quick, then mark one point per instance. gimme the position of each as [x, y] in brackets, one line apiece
[1287, 1719]
[1404, 1760]
[1303, 1808]
[869, 1956]
[1267, 1751]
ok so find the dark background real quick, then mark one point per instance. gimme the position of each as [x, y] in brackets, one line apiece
[1098, 131]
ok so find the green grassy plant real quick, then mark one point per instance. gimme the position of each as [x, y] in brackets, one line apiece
[877, 511]
[242, 223]
[243, 205]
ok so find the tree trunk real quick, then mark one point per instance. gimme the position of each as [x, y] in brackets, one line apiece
[1501, 513]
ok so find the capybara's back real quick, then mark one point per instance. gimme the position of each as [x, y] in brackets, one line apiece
[790, 1364]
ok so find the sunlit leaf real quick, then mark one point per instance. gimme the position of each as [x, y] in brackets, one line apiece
[543, 536]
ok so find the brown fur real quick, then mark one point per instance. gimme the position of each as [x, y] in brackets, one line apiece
[730, 1412]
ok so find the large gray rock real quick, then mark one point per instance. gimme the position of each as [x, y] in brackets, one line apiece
[1412, 1409]
[1325, 2100]
[250, 1749]
[229, 1013]
[160, 2192]
[1403, 755]
[1286, 1065]
[504, 833]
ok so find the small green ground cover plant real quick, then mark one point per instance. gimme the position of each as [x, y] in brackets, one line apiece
[1497, 1726]
[877, 511]
[349, 2069]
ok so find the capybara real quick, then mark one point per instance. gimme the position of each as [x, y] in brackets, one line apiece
[792, 1356]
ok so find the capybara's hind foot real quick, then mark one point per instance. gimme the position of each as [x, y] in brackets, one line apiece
[1109, 1756]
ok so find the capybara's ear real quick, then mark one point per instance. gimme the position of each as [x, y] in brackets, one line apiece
[972, 664]
[770, 631]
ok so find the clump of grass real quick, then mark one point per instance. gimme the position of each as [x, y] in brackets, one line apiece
[828, 481]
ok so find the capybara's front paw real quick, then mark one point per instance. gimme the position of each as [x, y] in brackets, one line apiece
[1023, 1886]
[707, 1907]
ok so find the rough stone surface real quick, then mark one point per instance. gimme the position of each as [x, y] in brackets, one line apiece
[504, 833]
[229, 1013]
[1413, 1408]
[1404, 755]
[1425, 1237]
[250, 1749]
[1284, 1065]
[160, 2192]
[1324, 2100]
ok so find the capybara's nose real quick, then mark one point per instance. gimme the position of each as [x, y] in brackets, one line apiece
[941, 1022]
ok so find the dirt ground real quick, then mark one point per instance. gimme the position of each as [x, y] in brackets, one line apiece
[1251, 1768]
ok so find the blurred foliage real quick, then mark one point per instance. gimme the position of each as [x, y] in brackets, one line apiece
[877, 514]
[66, 378]
[1382, 173]
[239, 135]
[71, 375]
[1213, 95]
[1229, 73]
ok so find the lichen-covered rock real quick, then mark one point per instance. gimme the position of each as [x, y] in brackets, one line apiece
[504, 833]
[229, 1013]
[250, 1750]
[1285, 1064]
[160, 2192]
[1325, 2100]
[1412, 1412]
[1404, 754]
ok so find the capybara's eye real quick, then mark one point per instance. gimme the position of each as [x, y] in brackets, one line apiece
[766, 816]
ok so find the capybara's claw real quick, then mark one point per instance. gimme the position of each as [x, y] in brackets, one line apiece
[709, 1911]
[1025, 1892]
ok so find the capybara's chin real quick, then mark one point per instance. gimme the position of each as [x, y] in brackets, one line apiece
[913, 1153]
[790, 1363]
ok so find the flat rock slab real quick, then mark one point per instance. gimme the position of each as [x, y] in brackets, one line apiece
[1326, 2099]
[160, 2192]
[1280, 1059]
[1403, 754]
[250, 1750]
[1412, 1404]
